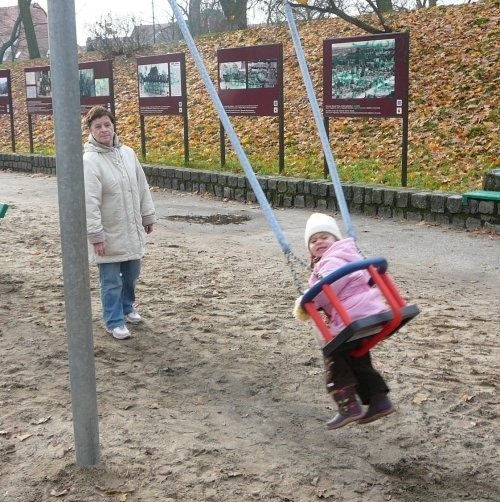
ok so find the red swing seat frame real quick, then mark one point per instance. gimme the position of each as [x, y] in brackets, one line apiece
[361, 335]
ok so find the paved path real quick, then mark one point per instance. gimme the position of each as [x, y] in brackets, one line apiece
[466, 257]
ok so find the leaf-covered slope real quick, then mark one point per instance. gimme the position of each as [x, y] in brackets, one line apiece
[454, 103]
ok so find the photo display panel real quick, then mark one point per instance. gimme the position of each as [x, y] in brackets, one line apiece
[5, 92]
[251, 80]
[366, 76]
[96, 84]
[162, 84]
[38, 86]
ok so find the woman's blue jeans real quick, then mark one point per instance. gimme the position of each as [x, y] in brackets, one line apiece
[118, 282]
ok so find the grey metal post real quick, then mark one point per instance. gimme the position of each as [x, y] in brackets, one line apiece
[70, 187]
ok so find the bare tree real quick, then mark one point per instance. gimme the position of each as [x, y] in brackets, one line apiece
[351, 11]
[23, 22]
[194, 17]
[274, 12]
[29, 29]
[113, 36]
[10, 43]
[336, 9]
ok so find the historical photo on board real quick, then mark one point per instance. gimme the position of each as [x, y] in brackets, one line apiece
[153, 80]
[87, 84]
[101, 86]
[31, 91]
[30, 78]
[362, 70]
[4, 86]
[175, 78]
[233, 75]
[43, 84]
[262, 74]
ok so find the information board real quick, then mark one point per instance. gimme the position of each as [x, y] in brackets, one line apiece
[96, 85]
[38, 90]
[5, 93]
[366, 76]
[161, 84]
[251, 80]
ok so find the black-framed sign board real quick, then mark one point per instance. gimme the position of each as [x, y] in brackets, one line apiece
[5, 93]
[251, 84]
[162, 90]
[366, 76]
[96, 88]
[96, 85]
[251, 80]
[6, 107]
[161, 82]
[38, 85]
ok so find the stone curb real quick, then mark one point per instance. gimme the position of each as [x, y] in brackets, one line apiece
[444, 208]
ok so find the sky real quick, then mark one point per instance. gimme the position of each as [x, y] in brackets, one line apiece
[87, 12]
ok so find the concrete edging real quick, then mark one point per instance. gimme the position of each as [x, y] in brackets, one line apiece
[444, 208]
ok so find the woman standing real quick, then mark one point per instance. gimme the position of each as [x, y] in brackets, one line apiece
[120, 212]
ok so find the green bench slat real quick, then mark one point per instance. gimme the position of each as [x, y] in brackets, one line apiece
[3, 209]
[481, 195]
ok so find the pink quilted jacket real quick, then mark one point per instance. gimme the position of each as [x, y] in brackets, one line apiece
[358, 298]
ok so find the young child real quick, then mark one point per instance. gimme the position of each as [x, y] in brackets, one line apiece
[345, 376]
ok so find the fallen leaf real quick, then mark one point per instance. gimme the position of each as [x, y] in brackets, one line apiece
[419, 399]
[41, 421]
[61, 493]
[466, 398]
[114, 491]
[23, 437]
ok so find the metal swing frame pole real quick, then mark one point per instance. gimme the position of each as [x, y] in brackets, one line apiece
[71, 195]
[346, 217]
[266, 208]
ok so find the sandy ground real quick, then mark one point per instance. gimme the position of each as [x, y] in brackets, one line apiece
[219, 394]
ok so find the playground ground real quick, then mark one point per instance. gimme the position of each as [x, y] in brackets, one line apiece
[219, 395]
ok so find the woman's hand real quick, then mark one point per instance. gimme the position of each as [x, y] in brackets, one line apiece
[99, 249]
[148, 228]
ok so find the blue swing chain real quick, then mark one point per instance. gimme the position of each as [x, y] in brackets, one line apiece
[339, 193]
[257, 189]
[292, 259]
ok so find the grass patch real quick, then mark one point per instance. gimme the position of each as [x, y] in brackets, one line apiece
[423, 171]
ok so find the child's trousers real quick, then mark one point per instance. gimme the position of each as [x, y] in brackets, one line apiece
[342, 370]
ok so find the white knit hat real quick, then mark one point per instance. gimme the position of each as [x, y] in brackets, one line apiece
[319, 222]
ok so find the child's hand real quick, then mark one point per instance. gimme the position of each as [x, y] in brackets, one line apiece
[298, 312]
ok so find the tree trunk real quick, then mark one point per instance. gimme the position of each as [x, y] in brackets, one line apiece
[235, 12]
[385, 6]
[194, 17]
[14, 37]
[29, 29]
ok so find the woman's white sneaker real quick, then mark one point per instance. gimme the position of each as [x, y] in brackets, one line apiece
[120, 332]
[133, 317]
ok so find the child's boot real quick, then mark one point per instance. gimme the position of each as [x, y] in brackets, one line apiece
[349, 408]
[380, 406]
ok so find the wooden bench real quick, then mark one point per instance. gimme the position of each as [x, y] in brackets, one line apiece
[3, 209]
[481, 195]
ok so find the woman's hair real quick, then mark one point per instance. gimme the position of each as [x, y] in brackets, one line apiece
[96, 112]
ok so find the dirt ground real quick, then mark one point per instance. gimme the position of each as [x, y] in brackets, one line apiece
[219, 395]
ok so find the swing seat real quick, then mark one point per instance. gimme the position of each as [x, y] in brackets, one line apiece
[359, 336]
